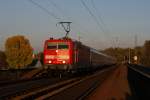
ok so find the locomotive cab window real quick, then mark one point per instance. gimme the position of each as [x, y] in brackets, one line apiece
[63, 46]
[51, 45]
[54, 45]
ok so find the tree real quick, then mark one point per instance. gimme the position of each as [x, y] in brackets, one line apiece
[120, 54]
[3, 63]
[18, 52]
[146, 53]
[41, 57]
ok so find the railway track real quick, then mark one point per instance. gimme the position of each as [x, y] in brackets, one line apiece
[72, 89]
[11, 82]
[42, 92]
[11, 90]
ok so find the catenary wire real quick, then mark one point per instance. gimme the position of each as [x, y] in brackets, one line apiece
[92, 15]
[45, 10]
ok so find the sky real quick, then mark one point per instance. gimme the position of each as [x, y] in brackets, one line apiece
[99, 23]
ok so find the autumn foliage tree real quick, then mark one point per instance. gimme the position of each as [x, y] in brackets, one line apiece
[146, 53]
[118, 53]
[18, 52]
[3, 63]
[121, 53]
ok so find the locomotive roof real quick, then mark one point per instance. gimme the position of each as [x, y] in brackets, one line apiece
[61, 40]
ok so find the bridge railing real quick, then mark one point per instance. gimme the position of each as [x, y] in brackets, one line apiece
[139, 79]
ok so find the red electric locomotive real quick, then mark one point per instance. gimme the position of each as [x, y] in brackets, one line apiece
[66, 54]
[58, 52]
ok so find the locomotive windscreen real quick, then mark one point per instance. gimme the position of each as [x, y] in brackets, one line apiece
[57, 45]
[62, 46]
[52, 45]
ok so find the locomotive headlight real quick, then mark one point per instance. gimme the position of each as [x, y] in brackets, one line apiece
[63, 62]
[50, 61]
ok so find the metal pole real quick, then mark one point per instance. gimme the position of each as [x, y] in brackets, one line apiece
[129, 56]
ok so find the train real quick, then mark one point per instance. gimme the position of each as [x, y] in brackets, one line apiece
[70, 55]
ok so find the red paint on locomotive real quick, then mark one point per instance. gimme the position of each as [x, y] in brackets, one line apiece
[58, 52]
